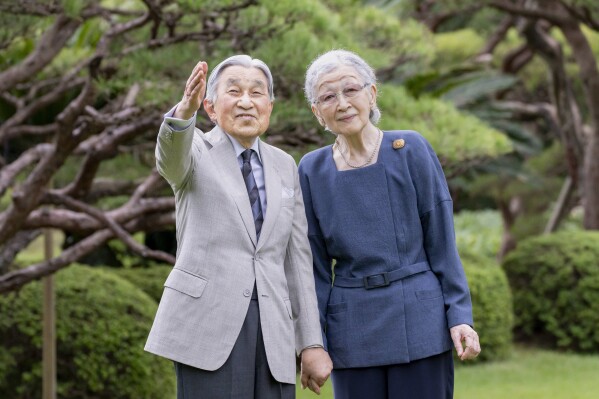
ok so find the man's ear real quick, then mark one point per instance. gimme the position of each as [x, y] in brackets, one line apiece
[209, 107]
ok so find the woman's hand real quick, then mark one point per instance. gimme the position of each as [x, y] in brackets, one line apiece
[195, 88]
[463, 333]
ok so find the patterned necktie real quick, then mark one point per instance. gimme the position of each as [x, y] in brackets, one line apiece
[252, 187]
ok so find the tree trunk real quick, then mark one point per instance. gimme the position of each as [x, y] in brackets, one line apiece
[589, 74]
[509, 212]
[591, 183]
[563, 96]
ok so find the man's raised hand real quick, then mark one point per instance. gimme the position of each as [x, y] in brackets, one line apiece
[195, 88]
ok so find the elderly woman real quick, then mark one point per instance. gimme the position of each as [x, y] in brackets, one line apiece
[379, 210]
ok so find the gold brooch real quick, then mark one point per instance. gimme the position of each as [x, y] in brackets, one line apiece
[399, 143]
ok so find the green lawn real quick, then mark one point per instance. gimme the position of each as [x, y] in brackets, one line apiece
[529, 374]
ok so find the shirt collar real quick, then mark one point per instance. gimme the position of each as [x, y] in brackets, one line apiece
[239, 148]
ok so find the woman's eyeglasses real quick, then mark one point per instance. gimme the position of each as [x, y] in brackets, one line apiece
[349, 91]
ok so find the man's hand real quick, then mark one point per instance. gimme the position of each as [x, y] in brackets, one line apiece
[464, 333]
[316, 368]
[195, 88]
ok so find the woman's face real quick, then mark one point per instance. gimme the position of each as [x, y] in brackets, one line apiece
[343, 101]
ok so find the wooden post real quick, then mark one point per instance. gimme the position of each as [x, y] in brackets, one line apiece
[49, 327]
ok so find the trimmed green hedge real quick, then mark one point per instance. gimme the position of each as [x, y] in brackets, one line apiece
[149, 279]
[555, 280]
[102, 324]
[478, 232]
[492, 306]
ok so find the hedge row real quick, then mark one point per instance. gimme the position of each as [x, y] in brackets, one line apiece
[103, 321]
[102, 324]
[491, 306]
[555, 281]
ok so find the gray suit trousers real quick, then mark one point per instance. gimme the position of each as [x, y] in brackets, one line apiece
[245, 374]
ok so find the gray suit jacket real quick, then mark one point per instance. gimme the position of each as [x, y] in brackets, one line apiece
[207, 293]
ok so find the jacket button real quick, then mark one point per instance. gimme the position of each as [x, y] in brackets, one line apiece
[246, 292]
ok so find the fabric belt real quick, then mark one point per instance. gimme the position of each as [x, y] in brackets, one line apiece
[381, 279]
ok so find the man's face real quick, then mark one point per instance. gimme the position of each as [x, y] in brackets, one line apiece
[242, 107]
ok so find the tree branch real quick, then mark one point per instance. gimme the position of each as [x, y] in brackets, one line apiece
[7, 129]
[12, 100]
[516, 59]
[30, 130]
[83, 223]
[534, 13]
[101, 147]
[546, 111]
[17, 278]
[453, 170]
[166, 41]
[49, 45]
[584, 15]
[30, 8]
[109, 188]
[497, 36]
[13, 280]
[151, 181]
[564, 99]
[29, 157]
[27, 197]
[237, 7]
[118, 231]
[13, 246]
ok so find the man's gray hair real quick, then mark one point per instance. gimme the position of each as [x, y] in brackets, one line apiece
[332, 60]
[240, 60]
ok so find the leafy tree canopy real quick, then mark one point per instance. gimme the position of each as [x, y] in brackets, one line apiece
[84, 84]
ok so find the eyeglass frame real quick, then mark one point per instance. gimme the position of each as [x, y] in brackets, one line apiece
[340, 92]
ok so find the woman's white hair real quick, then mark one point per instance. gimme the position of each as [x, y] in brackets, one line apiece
[241, 60]
[332, 60]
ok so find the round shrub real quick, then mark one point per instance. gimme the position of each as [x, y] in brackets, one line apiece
[149, 279]
[555, 281]
[478, 232]
[491, 306]
[101, 327]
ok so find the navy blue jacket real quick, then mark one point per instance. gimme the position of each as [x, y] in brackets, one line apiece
[389, 279]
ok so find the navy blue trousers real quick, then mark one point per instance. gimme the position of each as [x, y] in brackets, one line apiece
[429, 378]
[245, 374]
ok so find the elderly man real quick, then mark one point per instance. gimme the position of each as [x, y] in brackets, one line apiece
[240, 301]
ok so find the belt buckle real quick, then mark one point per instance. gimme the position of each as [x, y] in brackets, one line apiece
[369, 286]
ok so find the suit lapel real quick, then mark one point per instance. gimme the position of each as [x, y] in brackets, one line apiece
[223, 156]
[272, 181]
